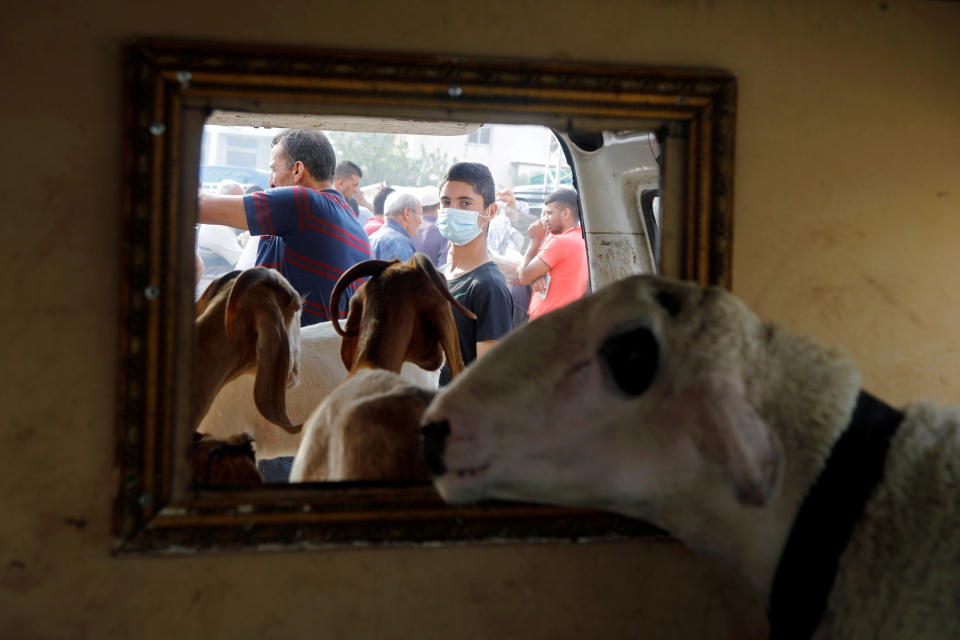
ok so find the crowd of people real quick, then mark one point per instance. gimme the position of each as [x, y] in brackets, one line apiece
[312, 223]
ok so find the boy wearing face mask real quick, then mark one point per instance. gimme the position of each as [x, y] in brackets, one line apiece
[467, 194]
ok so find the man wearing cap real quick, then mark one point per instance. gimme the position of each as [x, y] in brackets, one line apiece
[428, 238]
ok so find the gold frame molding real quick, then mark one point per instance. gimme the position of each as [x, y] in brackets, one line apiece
[168, 87]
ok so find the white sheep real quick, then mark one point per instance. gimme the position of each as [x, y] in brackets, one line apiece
[368, 427]
[675, 404]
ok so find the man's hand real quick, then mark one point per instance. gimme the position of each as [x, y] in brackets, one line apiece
[539, 285]
[362, 201]
[536, 231]
[506, 197]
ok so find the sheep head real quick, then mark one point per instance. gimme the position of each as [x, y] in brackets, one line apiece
[250, 322]
[401, 314]
[625, 399]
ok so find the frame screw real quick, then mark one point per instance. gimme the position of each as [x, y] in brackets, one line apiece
[151, 292]
[157, 128]
[454, 91]
[183, 77]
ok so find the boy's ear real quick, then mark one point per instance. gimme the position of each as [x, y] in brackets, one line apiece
[490, 211]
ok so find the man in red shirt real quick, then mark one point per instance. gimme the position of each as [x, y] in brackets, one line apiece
[557, 269]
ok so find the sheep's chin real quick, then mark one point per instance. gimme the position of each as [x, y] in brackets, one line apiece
[464, 485]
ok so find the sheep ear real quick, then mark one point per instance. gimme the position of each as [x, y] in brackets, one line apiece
[273, 367]
[733, 436]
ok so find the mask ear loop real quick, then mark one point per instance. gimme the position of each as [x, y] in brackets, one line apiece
[489, 219]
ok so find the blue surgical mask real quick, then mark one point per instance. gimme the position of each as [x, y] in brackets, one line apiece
[459, 226]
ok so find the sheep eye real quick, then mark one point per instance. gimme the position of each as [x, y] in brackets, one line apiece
[630, 359]
[670, 302]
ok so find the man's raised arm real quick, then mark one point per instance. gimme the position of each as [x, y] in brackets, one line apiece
[225, 210]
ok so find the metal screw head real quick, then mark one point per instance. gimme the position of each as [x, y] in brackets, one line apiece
[183, 77]
[454, 91]
[157, 128]
[145, 500]
[151, 292]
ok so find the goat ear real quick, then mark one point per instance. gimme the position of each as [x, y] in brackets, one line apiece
[273, 367]
[446, 329]
[246, 280]
[351, 335]
[734, 436]
[212, 290]
[426, 265]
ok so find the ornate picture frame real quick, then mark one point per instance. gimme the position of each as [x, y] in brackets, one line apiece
[170, 89]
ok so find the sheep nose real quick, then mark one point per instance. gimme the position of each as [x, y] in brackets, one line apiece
[434, 435]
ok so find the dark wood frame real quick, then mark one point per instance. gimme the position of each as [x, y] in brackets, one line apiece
[167, 84]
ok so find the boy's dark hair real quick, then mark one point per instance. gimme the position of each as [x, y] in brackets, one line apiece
[312, 148]
[567, 198]
[347, 169]
[380, 199]
[477, 176]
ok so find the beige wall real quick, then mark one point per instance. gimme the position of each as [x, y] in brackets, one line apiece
[848, 150]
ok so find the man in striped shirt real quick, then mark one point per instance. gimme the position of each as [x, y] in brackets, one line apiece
[307, 230]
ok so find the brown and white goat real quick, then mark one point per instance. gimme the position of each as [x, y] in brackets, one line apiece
[246, 322]
[402, 313]
[368, 427]
[415, 297]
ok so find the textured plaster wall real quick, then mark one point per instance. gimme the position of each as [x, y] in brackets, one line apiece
[847, 192]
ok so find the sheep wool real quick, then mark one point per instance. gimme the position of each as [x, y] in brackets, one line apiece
[674, 403]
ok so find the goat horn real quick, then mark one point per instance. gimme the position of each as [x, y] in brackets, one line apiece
[244, 282]
[423, 261]
[359, 270]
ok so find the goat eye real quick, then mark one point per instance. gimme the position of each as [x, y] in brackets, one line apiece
[630, 359]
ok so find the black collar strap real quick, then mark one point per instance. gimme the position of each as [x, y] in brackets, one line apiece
[826, 519]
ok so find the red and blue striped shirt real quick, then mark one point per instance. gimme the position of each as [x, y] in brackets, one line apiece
[311, 237]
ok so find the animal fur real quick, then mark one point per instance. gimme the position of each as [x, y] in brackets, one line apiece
[398, 320]
[246, 322]
[368, 427]
[225, 461]
[672, 403]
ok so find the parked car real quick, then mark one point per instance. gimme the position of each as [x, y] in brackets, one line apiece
[211, 175]
[534, 195]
